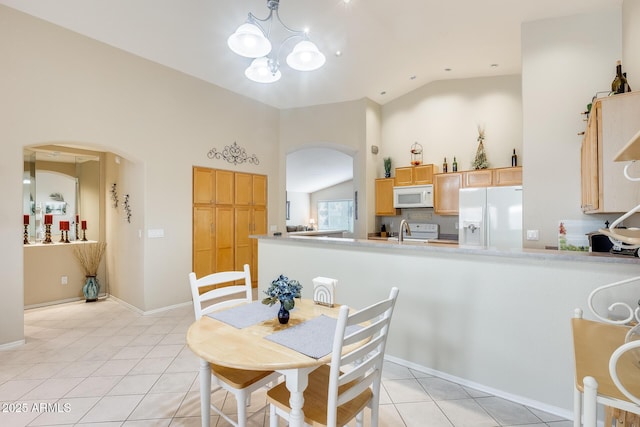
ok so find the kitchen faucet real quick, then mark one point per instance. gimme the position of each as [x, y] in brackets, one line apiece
[404, 225]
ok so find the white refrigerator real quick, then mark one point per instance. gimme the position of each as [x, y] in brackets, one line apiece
[491, 217]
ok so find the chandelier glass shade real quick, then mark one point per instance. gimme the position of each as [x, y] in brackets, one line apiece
[262, 71]
[252, 40]
[249, 41]
[305, 56]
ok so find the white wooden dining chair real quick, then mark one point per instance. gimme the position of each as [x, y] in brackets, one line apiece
[339, 392]
[239, 382]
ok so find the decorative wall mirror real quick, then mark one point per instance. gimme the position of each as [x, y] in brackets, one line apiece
[62, 183]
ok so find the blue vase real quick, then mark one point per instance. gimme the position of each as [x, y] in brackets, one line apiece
[283, 315]
[91, 288]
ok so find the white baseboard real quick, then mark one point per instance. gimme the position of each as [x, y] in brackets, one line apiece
[10, 345]
[169, 307]
[146, 313]
[60, 301]
[560, 412]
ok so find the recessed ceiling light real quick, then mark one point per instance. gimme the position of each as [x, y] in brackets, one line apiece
[347, 1]
[412, 77]
[384, 92]
[447, 69]
[494, 65]
[338, 53]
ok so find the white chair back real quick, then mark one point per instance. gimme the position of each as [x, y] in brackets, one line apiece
[362, 366]
[220, 294]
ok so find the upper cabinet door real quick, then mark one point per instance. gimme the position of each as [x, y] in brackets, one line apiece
[203, 186]
[446, 188]
[259, 190]
[224, 187]
[243, 189]
[507, 176]
[384, 197]
[478, 178]
[404, 176]
[415, 175]
[250, 190]
[423, 174]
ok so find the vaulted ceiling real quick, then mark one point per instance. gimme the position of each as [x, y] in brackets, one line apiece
[388, 48]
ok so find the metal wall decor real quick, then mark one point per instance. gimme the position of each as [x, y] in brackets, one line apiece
[233, 154]
[127, 208]
[114, 195]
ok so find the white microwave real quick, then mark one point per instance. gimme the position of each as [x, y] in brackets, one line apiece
[413, 196]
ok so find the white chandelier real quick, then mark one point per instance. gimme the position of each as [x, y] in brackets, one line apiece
[251, 40]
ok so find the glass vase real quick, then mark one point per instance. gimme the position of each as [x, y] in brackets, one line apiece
[283, 315]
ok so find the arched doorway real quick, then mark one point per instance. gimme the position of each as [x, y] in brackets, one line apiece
[320, 175]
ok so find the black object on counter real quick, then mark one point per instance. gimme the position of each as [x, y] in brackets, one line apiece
[599, 242]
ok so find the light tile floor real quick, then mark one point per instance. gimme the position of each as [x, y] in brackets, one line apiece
[101, 364]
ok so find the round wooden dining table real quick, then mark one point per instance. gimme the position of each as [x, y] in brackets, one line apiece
[215, 341]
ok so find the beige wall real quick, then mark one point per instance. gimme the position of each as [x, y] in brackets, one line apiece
[340, 126]
[631, 42]
[443, 117]
[45, 265]
[59, 87]
[564, 63]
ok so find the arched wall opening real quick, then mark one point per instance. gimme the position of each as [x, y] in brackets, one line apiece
[320, 188]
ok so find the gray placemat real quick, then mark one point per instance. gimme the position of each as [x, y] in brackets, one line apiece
[246, 315]
[313, 338]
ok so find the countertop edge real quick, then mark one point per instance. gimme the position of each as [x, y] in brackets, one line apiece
[539, 254]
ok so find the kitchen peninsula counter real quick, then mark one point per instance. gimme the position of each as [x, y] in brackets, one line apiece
[450, 247]
[494, 320]
[317, 233]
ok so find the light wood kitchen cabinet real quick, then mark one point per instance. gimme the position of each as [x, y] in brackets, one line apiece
[228, 207]
[445, 188]
[478, 178]
[248, 221]
[242, 230]
[613, 121]
[447, 185]
[384, 197]
[415, 175]
[499, 177]
[212, 242]
[259, 188]
[204, 185]
[224, 187]
[203, 240]
[589, 164]
[224, 230]
[250, 190]
[507, 176]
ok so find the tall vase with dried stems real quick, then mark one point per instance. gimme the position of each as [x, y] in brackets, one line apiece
[89, 256]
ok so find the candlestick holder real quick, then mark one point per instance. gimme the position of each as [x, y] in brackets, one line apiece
[47, 234]
[66, 236]
[77, 238]
[84, 235]
[61, 236]
[26, 234]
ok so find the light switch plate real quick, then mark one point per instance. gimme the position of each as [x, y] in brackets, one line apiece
[155, 233]
[533, 235]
